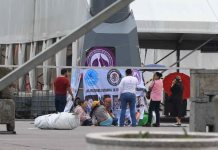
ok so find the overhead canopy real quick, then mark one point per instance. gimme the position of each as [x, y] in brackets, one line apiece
[171, 24]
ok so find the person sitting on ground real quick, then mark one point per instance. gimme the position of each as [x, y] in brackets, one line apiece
[85, 119]
[107, 104]
[101, 115]
[77, 99]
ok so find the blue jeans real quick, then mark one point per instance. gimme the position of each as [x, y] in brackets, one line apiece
[128, 98]
[60, 102]
[107, 122]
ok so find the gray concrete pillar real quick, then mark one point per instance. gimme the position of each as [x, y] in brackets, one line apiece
[97, 5]
[75, 72]
[61, 59]
[32, 73]
[47, 71]
[21, 60]
[215, 113]
[198, 115]
[75, 48]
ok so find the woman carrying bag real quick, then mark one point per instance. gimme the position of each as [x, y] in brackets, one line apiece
[156, 95]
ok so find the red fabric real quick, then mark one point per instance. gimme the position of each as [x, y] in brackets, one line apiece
[61, 84]
[185, 80]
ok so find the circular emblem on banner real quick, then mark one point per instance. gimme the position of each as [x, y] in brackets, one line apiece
[137, 74]
[100, 57]
[114, 77]
[91, 77]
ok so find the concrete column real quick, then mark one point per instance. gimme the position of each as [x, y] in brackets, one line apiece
[75, 53]
[32, 73]
[47, 71]
[60, 59]
[21, 60]
[215, 113]
[198, 120]
[75, 72]
[9, 55]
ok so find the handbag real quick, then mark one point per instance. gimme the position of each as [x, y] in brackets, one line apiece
[148, 94]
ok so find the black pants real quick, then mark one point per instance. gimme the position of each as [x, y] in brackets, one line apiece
[87, 122]
[60, 102]
[154, 106]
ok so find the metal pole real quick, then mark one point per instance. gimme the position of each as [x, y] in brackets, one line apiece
[165, 57]
[197, 48]
[58, 46]
[176, 49]
[178, 58]
[146, 51]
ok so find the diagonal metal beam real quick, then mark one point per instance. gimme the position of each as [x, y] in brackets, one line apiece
[58, 46]
[197, 48]
[165, 57]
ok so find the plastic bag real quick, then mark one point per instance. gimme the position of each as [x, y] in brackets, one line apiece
[153, 118]
[69, 104]
[144, 120]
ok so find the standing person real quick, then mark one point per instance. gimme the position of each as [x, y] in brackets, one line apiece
[156, 89]
[61, 87]
[177, 99]
[127, 95]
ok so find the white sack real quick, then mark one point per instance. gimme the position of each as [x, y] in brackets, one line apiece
[61, 121]
[69, 104]
[153, 118]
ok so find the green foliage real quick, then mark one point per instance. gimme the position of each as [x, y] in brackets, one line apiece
[144, 135]
[5, 93]
[4, 71]
[186, 135]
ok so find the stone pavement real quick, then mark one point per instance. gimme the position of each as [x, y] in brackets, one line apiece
[30, 138]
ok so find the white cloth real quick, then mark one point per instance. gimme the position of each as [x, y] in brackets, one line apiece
[60, 121]
[128, 84]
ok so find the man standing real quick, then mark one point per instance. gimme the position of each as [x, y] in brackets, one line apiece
[61, 86]
[127, 95]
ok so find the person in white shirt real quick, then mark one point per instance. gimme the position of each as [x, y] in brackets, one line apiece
[127, 95]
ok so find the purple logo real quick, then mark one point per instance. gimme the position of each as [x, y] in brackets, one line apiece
[137, 74]
[100, 57]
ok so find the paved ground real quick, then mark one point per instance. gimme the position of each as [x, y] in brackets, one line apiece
[30, 138]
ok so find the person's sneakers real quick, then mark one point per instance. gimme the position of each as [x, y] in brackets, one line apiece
[147, 125]
[178, 124]
[155, 125]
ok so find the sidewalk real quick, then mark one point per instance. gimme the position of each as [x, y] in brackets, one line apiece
[30, 138]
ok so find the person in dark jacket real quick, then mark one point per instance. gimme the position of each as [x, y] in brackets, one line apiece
[177, 99]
